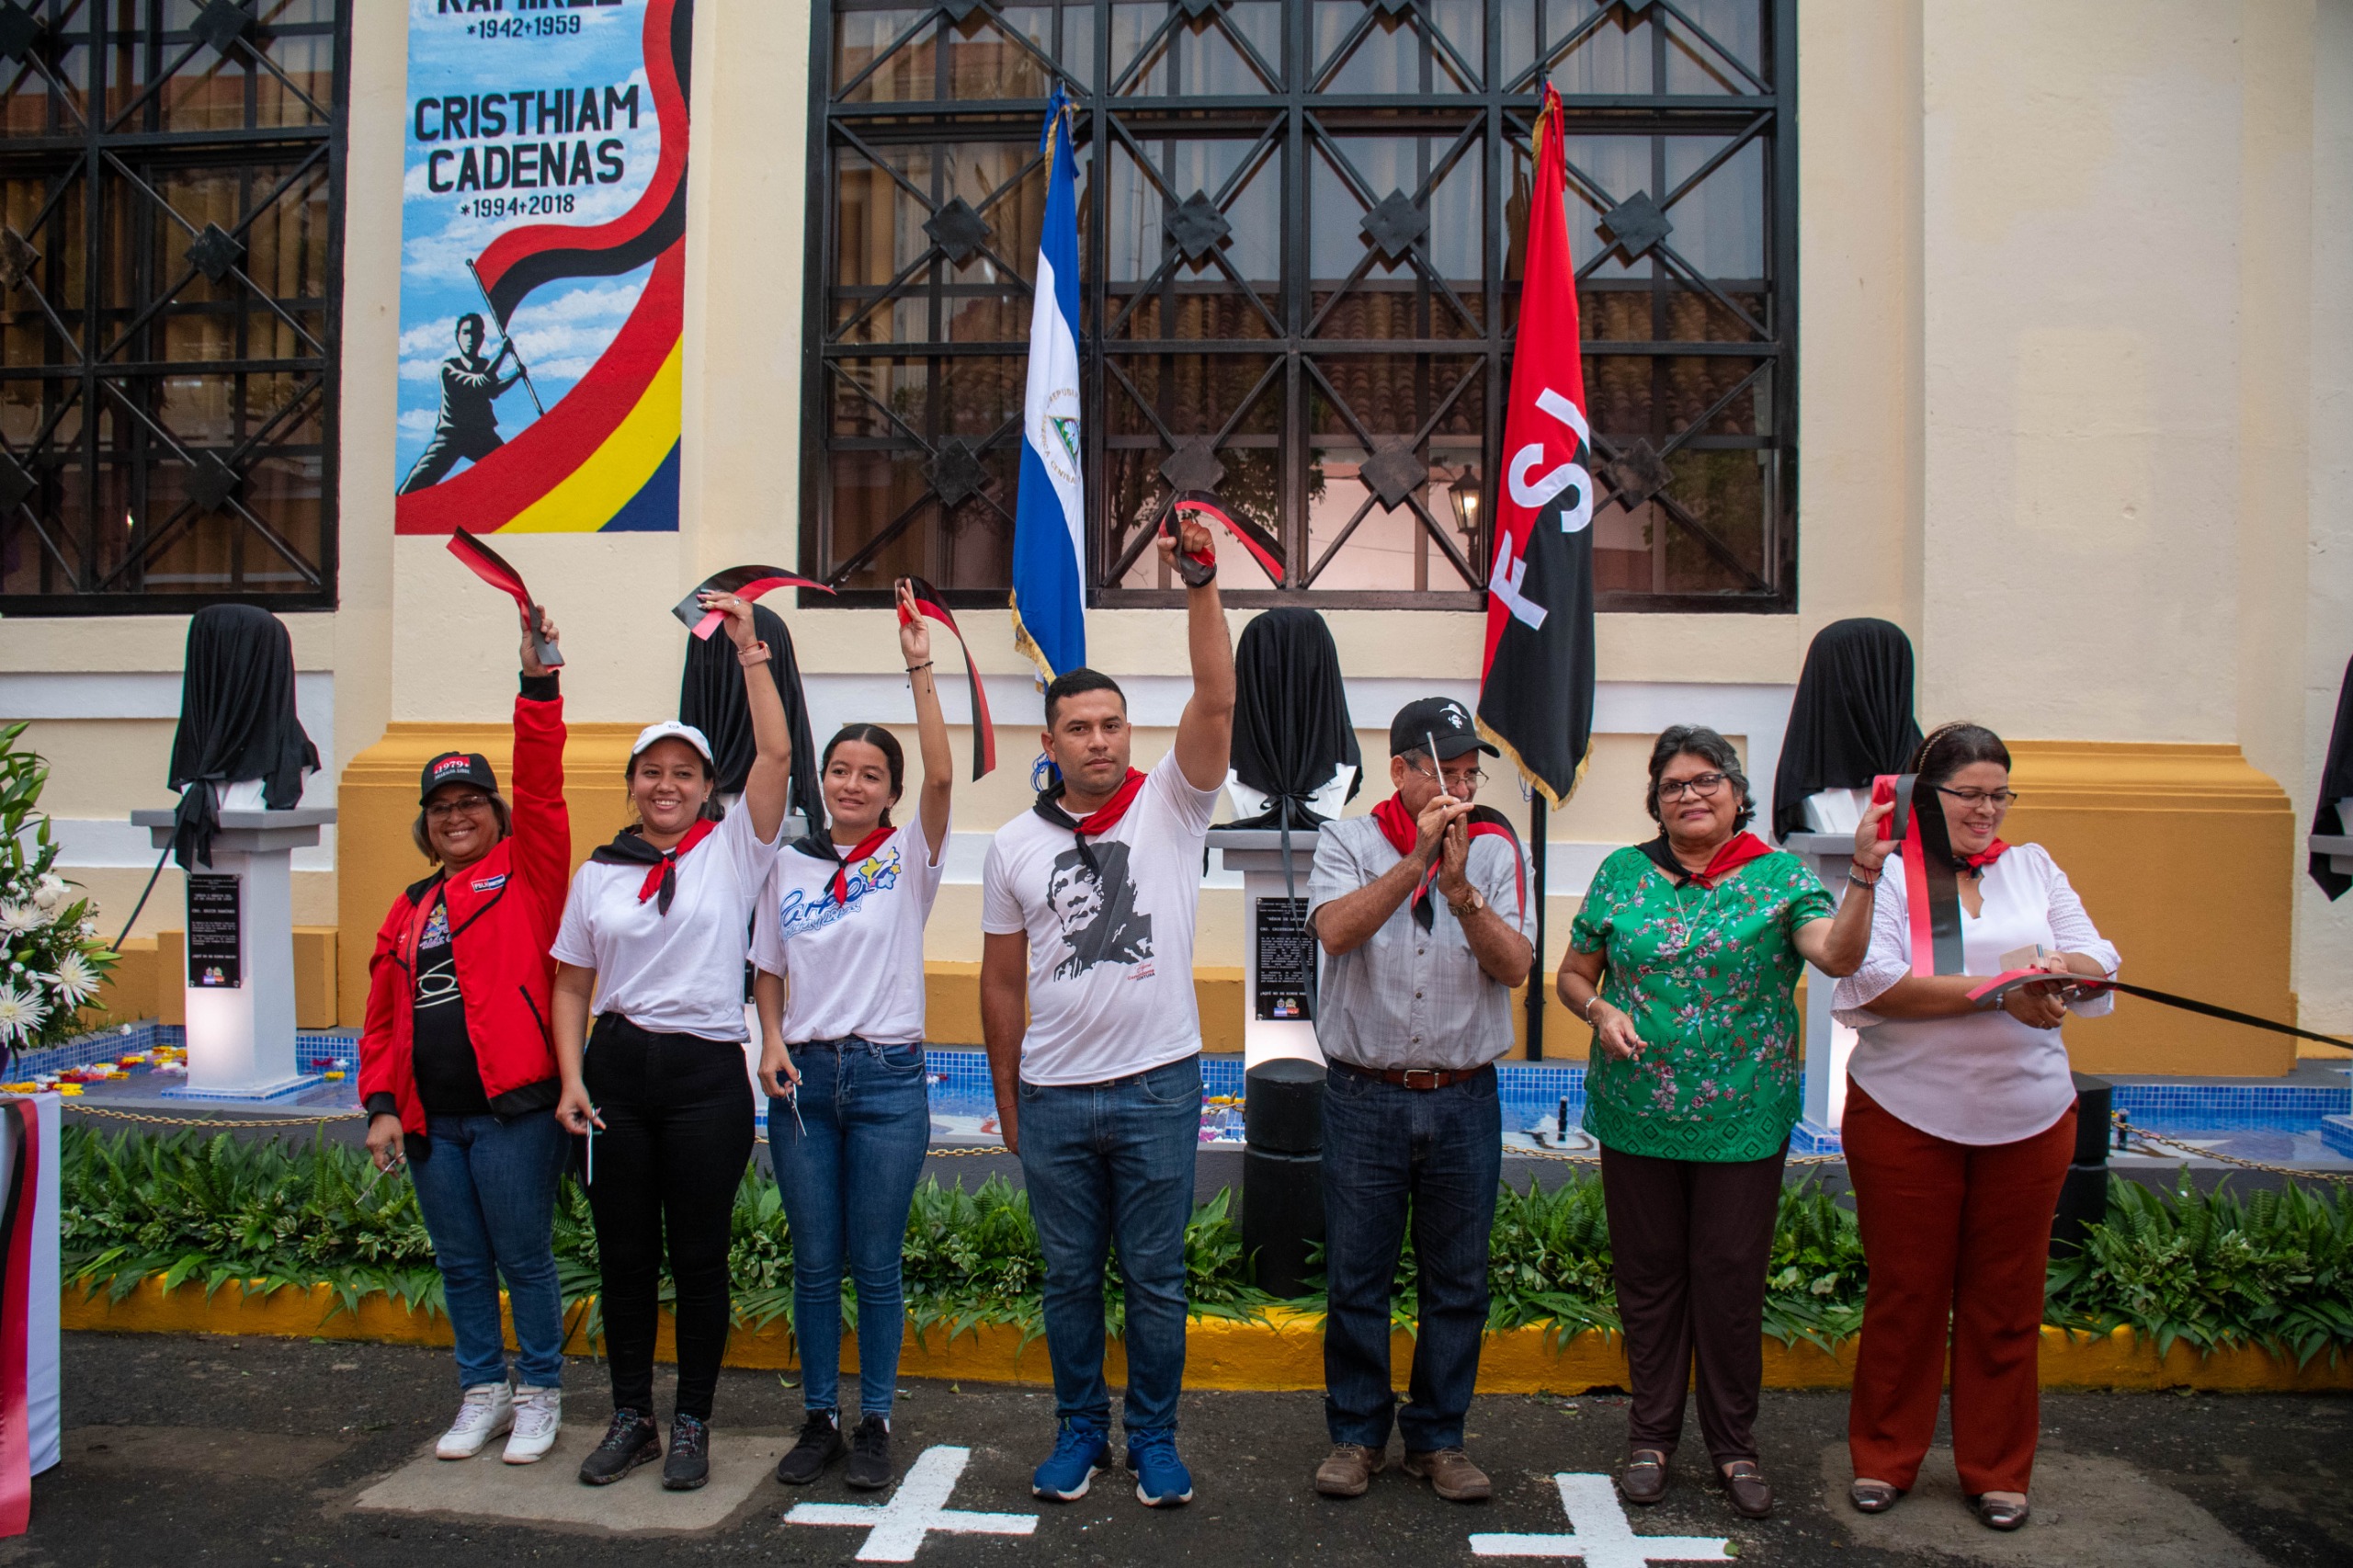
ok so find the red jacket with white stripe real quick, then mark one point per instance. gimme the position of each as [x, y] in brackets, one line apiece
[503, 909]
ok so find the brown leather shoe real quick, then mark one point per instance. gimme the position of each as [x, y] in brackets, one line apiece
[1451, 1474]
[1643, 1479]
[1349, 1470]
[1873, 1496]
[1746, 1485]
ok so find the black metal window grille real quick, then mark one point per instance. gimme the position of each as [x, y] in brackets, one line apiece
[1300, 231]
[171, 218]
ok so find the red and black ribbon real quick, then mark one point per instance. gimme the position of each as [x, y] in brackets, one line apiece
[746, 583]
[16, 1226]
[1263, 546]
[934, 607]
[2002, 985]
[1403, 833]
[629, 848]
[490, 567]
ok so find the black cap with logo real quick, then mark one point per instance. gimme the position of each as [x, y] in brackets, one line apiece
[1435, 720]
[456, 767]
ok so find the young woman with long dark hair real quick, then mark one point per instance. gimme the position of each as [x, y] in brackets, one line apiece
[842, 1059]
[653, 945]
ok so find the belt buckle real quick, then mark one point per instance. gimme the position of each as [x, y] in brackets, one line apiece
[1428, 1074]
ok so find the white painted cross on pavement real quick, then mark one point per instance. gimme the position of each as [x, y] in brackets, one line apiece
[1600, 1534]
[917, 1508]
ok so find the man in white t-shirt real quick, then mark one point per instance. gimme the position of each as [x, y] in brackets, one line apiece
[1095, 1036]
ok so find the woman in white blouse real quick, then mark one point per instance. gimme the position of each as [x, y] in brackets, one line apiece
[1958, 1127]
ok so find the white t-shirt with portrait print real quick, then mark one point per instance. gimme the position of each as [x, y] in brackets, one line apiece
[852, 968]
[1110, 955]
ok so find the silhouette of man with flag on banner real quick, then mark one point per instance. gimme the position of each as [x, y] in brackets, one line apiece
[1535, 689]
[467, 425]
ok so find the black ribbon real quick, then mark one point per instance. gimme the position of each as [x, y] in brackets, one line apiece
[1939, 871]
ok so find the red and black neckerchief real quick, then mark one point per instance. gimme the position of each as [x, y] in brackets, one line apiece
[1397, 824]
[934, 607]
[629, 848]
[1931, 873]
[1097, 823]
[821, 846]
[746, 583]
[1734, 853]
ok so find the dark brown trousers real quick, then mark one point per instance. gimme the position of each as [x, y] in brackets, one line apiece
[1688, 1241]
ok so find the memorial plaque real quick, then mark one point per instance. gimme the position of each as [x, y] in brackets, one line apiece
[1283, 956]
[215, 957]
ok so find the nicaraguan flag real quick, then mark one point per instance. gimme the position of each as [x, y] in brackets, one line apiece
[1048, 523]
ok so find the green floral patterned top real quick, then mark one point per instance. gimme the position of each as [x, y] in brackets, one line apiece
[1708, 977]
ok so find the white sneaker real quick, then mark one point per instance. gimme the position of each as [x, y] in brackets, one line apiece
[487, 1410]
[539, 1413]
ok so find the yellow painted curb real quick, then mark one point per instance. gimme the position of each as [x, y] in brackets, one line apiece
[1284, 1351]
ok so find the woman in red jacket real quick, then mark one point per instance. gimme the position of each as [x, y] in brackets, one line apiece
[457, 1070]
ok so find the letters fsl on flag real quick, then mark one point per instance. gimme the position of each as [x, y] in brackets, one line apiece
[1536, 688]
[1049, 521]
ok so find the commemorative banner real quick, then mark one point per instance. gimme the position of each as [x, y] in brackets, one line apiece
[542, 266]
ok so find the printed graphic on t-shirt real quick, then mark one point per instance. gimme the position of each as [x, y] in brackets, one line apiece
[436, 967]
[1097, 910]
[804, 910]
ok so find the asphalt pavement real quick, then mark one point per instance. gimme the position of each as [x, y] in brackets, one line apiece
[204, 1450]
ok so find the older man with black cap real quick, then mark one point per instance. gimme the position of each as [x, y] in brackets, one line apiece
[1422, 912]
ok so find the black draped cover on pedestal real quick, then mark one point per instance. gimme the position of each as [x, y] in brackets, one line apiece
[2335, 784]
[1851, 720]
[1292, 730]
[710, 698]
[237, 722]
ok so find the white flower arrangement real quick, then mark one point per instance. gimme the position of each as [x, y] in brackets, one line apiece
[52, 960]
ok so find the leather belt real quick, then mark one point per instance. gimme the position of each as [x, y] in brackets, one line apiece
[1415, 1077]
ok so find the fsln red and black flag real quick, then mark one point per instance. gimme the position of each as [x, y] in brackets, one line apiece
[490, 567]
[1203, 507]
[522, 258]
[746, 583]
[934, 607]
[1536, 688]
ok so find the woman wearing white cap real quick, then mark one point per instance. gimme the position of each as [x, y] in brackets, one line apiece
[653, 944]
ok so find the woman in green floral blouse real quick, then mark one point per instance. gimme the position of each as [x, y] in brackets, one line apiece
[1685, 961]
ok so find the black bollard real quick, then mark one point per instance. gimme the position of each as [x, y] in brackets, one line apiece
[1282, 1173]
[2083, 1200]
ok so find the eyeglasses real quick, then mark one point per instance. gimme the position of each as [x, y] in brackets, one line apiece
[1703, 784]
[1456, 784]
[2002, 799]
[467, 803]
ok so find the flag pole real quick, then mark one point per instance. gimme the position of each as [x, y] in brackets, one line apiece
[1536, 834]
[521, 369]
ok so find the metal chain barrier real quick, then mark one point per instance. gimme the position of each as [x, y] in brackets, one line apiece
[2193, 1151]
[75, 1107]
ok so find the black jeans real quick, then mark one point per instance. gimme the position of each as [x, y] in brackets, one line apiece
[677, 1113]
[1389, 1151]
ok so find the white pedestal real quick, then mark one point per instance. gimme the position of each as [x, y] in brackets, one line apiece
[1827, 1042]
[1257, 854]
[2337, 847]
[241, 1015]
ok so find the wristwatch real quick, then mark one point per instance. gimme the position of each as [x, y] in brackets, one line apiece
[1468, 906]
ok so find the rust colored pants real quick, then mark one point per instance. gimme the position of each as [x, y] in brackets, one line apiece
[1958, 1237]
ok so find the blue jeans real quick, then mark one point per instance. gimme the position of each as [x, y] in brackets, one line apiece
[1104, 1161]
[848, 1182]
[487, 1193]
[1388, 1149]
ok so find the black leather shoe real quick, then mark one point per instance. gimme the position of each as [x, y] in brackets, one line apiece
[1750, 1494]
[869, 1456]
[688, 1464]
[631, 1440]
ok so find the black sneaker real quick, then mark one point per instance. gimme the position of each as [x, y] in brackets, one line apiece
[820, 1444]
[869, 1455]
[631, 1440]
[688, 1464]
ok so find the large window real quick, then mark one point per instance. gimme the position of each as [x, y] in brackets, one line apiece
[1301, 228]
[171, 177]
